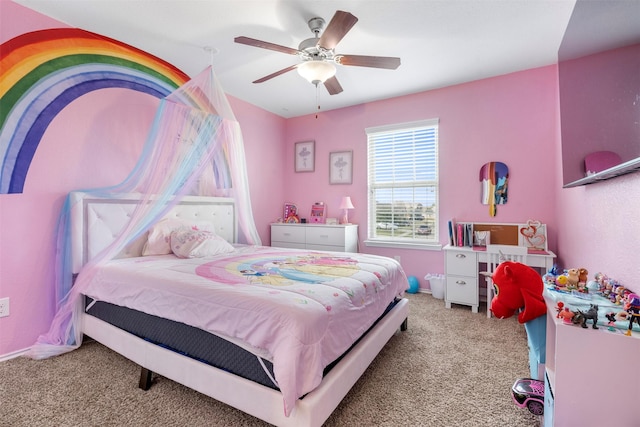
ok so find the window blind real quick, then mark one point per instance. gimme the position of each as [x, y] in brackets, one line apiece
[403, 181]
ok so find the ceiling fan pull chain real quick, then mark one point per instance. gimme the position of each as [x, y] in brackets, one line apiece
[317, 101]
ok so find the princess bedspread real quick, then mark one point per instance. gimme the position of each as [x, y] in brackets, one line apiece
[299, 309]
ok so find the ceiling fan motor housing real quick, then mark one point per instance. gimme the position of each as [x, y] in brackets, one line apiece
[309, 48]
[316, 25]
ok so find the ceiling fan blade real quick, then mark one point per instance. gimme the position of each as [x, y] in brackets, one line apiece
[338, 27]
[277, 73]
[390, 63]
[333, 86]
[265, 45]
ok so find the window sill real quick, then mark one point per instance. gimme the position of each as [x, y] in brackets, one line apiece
[403, 245]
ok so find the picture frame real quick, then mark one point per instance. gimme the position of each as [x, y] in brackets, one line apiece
[341, 167]
[304, 156]
[533, 235]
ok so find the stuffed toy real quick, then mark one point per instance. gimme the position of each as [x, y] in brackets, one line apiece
[517, 286]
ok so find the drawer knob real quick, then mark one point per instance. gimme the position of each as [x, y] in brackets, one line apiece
[461, 256]
[461, 282]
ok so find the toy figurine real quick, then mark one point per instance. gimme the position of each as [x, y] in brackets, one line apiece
[600, 279]
[562, 280]
[583, 275]
[572, 278]
[632, 306]
[621, 293]
[620, 316]
[581, 317]
[593, 287]
[566, 315]
[559, 307]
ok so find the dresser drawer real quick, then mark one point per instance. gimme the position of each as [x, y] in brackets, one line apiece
[462, 290]
[325, 236]
[461, 263]
[288, 234]
[290, 245]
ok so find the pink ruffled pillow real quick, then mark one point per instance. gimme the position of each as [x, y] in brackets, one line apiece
[198, 244]
[159, 238]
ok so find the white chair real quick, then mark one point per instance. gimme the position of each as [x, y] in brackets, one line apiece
[497, 254]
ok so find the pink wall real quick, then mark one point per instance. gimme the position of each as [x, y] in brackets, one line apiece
[604, 116]
[263, 134]
[510, 118]
[600, 228]
[95, 141]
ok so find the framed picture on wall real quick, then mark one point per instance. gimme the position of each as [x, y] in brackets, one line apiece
[305, 153]
[340, 167]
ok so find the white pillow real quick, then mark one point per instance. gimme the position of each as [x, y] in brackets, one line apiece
[198, 244]
[159, 238]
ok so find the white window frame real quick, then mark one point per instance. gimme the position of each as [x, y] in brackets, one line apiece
[406, 236]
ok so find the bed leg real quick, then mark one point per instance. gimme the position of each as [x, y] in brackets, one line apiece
[405, 325]
[145, 379]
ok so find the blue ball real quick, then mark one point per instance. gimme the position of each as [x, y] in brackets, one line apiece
[414, 284]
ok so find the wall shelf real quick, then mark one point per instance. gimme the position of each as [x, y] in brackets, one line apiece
[621, 169]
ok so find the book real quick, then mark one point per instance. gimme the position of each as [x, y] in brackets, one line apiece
[452, 238]
[460, 234]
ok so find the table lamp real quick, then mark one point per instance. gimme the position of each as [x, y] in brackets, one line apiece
[346, 205]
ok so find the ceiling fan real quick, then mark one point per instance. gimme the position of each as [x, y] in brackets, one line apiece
[318, 55]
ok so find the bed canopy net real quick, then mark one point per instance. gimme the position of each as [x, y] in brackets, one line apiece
[194, 147]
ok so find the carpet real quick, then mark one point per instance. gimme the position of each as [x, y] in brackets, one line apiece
[450, 368]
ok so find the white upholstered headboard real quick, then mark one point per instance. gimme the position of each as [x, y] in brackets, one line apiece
[96, 222]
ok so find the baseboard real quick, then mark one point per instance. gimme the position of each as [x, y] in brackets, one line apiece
[14, 354]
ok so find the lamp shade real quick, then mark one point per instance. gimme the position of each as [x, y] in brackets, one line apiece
[346, 203]
[317, 71]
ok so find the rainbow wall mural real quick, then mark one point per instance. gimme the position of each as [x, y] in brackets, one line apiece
[43, 71]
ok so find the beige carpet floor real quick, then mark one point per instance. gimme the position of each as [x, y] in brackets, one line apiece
[450, 368]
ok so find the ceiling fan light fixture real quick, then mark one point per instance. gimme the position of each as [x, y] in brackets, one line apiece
[317, 71]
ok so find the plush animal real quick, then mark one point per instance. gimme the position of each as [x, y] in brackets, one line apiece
[517, 286]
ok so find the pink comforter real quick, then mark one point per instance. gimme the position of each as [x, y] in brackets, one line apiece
[299, 309]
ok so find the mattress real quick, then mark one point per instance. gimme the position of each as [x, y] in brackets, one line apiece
[299, 310]
[186, 340]
[195, 343]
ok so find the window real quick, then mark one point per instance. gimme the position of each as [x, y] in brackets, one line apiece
[403, 184]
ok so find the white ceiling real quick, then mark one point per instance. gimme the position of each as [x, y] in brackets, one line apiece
[440, 43]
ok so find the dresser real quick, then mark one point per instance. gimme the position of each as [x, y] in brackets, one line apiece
[321, 237]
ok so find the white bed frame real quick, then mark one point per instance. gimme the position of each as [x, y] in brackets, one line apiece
[96, 221]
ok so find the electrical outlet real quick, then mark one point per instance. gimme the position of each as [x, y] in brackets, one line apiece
[4, 307]
[397, 258]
